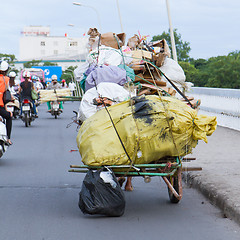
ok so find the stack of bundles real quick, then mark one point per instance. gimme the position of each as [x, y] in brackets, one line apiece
[147, 60]
[141, 64]
[150, 63]
[54, 95]
[150, 127]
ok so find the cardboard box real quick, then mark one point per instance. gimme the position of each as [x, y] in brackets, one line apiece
[159, 59]
[133, 42]
[109, 39]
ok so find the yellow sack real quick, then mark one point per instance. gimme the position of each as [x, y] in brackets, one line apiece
[150, 129]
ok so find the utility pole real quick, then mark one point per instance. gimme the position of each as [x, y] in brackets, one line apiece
[174, 52]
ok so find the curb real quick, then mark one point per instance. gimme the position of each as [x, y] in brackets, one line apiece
[227, 206]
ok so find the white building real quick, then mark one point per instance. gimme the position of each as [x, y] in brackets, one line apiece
[37, 43]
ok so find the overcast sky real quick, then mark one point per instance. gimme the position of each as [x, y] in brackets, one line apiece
[210, 26]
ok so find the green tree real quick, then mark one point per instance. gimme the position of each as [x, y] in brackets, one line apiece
[47, 63]
[68, 74]
[182, 47]
[190, 71]
[8, 57]
[218, 72]
[199, 63]
[224, 71]
[32, 63]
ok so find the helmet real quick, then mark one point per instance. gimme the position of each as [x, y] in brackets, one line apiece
[34, 77]
[3, 66]
[63, 80]
[12, 74]
[54, 77]
[26, 74]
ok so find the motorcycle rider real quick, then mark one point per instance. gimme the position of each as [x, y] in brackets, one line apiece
[72, 87]
[4, 83]
[25, 90]
[64, 84]
[12, 85]
[54, 85]
[37, 84]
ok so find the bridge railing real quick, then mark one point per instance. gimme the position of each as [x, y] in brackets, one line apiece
[221, 102]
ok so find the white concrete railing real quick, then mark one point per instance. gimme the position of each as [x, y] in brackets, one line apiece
[221, 102]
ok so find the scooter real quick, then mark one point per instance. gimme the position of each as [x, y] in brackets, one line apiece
[55, 110]
[14, 107]
[3, 137]
[27, 112]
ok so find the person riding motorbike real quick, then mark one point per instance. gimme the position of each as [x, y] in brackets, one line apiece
[64, 84]
[14, 105]
[25, 90]
[37, 83]
[4, 84]
[12, 84]
[54, 85]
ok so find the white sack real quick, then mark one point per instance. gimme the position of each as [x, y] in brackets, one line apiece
[105, 89]
[79, 71]
[108, 56]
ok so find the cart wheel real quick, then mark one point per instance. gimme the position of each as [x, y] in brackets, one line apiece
[176, 182]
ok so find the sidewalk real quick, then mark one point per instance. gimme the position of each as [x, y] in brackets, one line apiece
[219, 180]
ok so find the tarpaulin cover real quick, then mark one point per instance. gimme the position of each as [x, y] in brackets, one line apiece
[150, 128]
[106, 74]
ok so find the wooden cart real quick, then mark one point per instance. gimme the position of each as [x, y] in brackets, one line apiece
[170, 169]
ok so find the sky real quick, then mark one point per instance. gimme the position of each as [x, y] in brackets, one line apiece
[210, 26]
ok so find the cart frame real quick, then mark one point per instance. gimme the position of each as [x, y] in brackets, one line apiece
[170, 169]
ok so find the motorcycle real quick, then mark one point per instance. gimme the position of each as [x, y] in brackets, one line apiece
[14, 107]
[3, 137]
[27, 112]
[55, 110]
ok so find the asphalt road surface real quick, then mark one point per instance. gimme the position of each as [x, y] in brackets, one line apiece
[39, 198]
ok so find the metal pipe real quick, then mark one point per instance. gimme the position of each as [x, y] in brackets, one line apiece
[190, 169]
[131, 173]
[128, 166]
[120, 18]
[79, 90]
[174, 52]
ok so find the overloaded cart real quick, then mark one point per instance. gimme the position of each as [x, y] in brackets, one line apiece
[135, 120]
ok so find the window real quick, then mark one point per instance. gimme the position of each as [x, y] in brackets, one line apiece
[73, 44]
[42, 43]
[42, 52]
[55, 52]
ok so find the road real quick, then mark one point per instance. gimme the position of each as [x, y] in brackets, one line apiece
[39, 198]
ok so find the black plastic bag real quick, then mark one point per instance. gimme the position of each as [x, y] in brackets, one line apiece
[101, 194]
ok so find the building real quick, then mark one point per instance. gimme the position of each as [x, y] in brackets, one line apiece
[37, 43]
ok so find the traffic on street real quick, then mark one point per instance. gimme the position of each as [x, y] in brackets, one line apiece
[119, 134]
[39, 197]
